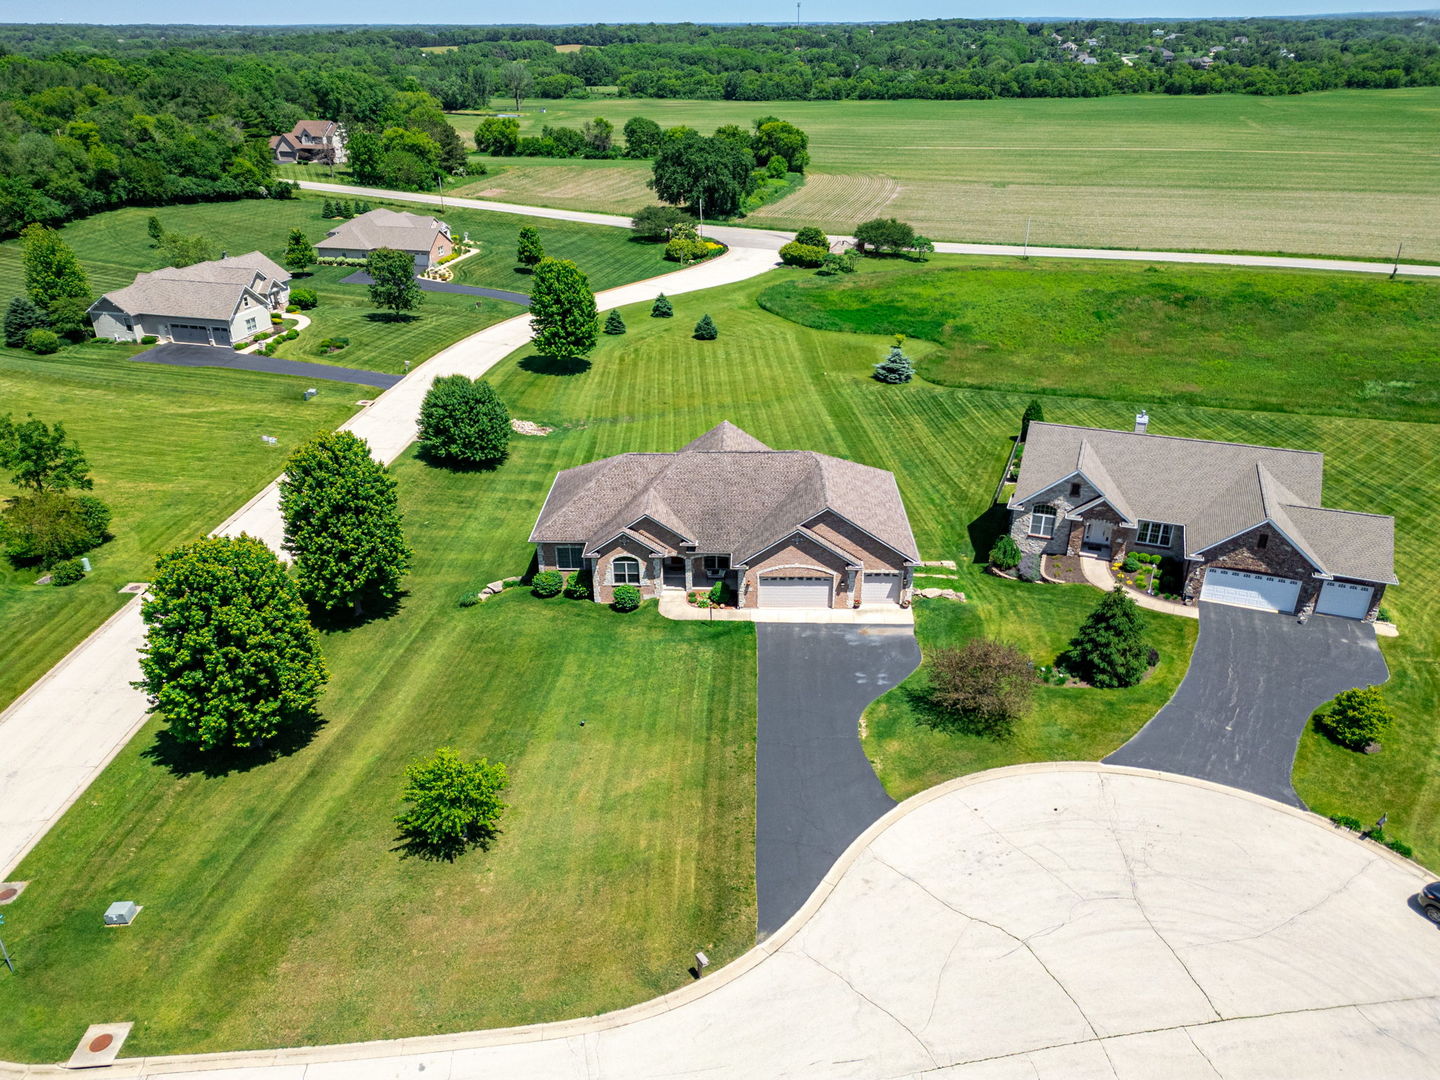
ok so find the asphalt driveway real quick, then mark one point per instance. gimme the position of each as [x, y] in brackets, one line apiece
[360, 277]
[1254, 680]
[180, 355]
[814, 788]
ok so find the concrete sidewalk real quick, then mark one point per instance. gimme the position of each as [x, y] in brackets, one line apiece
[674, 606]
[1064, 921]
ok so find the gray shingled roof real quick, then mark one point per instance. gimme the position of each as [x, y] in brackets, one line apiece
[384, 229]
[727, 491]
[208, 290]
[1215, 490]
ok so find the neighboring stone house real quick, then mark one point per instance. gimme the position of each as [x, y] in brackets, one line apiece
[426, 238]
[211, 303]
[1246, 520]
[319, 141]
[784, 528]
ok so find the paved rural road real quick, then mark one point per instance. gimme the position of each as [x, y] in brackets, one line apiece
[815, 791]
[772, 239]
[360, 277]
[1254, 680]
[1059, 922]
[180, 355]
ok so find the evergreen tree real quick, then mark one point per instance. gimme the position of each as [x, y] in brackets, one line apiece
[661, 309]
[342, 209]
[1032, 412]
[464, 420]
[342, 523]
[21, 317]
[299, 252]
[329, 209]
[51, 270]
[705, 329]
[1110, 649]
[529, 250]
[895, 368]
[229, 657]
[392, 280]
[562, 310]
[614, 324]
[154, 229]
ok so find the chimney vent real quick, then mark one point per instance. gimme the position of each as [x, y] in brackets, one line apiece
[1142, 422]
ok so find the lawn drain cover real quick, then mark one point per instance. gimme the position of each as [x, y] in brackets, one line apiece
[99, 1046]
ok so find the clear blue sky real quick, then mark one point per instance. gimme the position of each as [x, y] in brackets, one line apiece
[586, 11]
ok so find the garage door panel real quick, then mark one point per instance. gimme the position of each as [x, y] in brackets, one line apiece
[189, 335]
[1344, 599]
[880, 588]
[794, 591]
[1240, 588]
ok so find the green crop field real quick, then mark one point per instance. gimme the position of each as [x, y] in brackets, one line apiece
[1339, 173]
[1294, 341]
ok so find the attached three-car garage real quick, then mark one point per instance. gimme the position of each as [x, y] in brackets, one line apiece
[1244, 589]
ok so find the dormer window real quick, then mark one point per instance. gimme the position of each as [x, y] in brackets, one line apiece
[1262, 540]
[1074, 489]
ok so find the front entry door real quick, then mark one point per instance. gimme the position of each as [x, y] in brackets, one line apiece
[1097, 532]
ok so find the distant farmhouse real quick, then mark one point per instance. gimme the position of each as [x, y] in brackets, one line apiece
[318, 141]
[425, 238]
[210, 303]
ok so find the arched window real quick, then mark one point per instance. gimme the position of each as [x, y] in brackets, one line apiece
[626, 570]
[1042, 521]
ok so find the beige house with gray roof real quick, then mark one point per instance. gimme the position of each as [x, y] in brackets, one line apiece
[212, 303]
[1246, 521]
[784, 528]
[318, 141]
[426, 238]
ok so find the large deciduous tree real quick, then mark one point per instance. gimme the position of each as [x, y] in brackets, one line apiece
[693, 170]
[562, 310]
[515, 77]
[51, 270]
[229, 659]
[778, 138]
[642, 137]
[342, 524]
[392, 281]
[464, 420]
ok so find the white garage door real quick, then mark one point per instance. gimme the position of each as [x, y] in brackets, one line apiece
[190, 335]
[880, 589]
[1342, 598]
[782, 591]
[1243, 589]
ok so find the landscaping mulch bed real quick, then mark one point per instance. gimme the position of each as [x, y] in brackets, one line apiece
[1064, 568]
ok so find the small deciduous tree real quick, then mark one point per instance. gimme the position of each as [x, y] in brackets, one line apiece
[599, 134]
[896, 367]
[49, 528]
[464, 420]
[662, 308]
[658, 222]
[884, 236]
[229, 659]
[498, 136]
[178, 249]
[705, 329]
[22, 316]
[983, 687]
[44, 459]
[453, 806]
[563, 315]
[529, 250]
[1032, 413]
[1110, 650]
[515, 77]
[810, 236]
[392, 280]
[299, 252]
[642, 137]
[342, 523]
[614, 324]
[1355, 718]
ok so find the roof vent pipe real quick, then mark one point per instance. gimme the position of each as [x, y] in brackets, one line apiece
[1142, 422]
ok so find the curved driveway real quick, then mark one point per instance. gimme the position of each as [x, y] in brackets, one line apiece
[1060, 922]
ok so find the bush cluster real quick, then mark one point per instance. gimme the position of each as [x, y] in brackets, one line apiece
[304, 299]
[67, 572]
[547, 583]
[803, 255]
[1005, 553]
[1355, 718]
[627, 598]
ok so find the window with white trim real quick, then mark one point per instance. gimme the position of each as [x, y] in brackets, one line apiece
[567, 556]
[1042, 521]
[251, 324]
[717, 564]
[625, 571]
[1154, 533]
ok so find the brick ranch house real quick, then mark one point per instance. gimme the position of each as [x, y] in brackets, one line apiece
[1246, 520]
[318, 141]
[219, 302]
[425, 238]
[784, 528]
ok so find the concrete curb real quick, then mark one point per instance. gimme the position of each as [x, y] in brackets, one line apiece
[434, 1044]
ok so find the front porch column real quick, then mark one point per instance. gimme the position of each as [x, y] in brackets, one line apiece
[657, 572]
[689, 571]
[850, 573]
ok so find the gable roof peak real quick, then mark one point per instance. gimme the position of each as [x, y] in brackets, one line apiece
[723, 436]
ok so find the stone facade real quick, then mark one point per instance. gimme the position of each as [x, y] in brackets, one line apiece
[602, 569]
[1278, 558]
[803, 557]
[1064, 497]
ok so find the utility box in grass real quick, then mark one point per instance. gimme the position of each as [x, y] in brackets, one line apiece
[121, 913]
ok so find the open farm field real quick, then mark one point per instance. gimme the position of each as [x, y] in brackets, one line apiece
[616, 186]
[1284, 340]
[1336, 173]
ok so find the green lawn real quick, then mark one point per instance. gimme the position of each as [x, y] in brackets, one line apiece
[1293, 341]
[1342, 172]
[174, 451]
[1078, 724]
[286, 919]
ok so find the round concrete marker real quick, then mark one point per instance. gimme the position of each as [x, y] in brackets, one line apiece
[9, 894]
[100, 1042]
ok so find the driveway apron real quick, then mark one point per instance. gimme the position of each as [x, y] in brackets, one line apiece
[1254, 680]
[814, 788]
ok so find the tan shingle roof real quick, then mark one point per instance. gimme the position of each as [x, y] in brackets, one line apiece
[384, 229]
[729, 501]
[1215, 490]
[208, 290]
